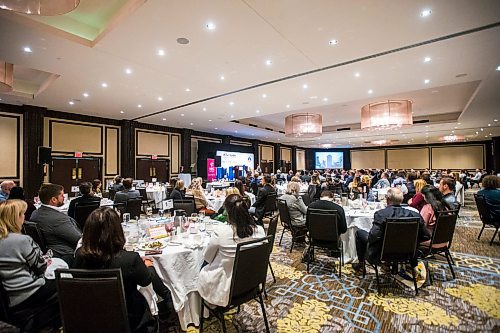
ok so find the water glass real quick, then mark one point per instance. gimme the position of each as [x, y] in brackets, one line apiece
[201, 216]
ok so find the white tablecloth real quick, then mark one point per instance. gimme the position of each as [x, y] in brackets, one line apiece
[356, 219]
[281, 189]
[156, 194]
[64, 208]
[217, 203]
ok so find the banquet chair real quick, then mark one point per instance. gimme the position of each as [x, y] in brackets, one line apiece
[270, 205]
[92, 300]
[186, 204]
[484, 215]
[134, 207]
[248, 279]
[271, 231]
[31, 229]
[33, 319]
[145, 201]
[323, 233]
[298, 233]
[82, 212]
[306, 198]
[441, 238]
[399, 245]
[112, 194]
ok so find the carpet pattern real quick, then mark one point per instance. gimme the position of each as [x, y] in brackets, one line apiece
[320, 301]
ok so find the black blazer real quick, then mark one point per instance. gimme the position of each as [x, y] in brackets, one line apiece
[177, 194]
[84, 199]
[260, 201]
[376, 235]
[329, 205]
[134, 273]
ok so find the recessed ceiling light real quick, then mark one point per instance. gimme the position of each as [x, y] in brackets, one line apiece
[210, 26]
[209, 119]
[337, 121]
[313, 97]
[85, 95]
[128, 71]
[477, 132]
[164, 119]
[459, 123]
[325, 99]
[216, 128]
[288, 106]
[482, 129]
[232, 116]
[27, 49]
[370, 91]
[427, 59]
[187, 90]
[426, 81]
[182, 114]
[357, 74]
[305, 86]
[222, 78]
[191, 124]
[161, 52]
[182, 40]
[456, 127]
[104, 85]
[498, 68]
[333, 42]
[122, 112]
[139, 105]
[160, 98]
[425, 12]
[204, 109]
[489, 124]
[269, 62]
[257, 111]
[231, 103]
[264, 95]
[71, 103]
[235, 131]
[495, 120]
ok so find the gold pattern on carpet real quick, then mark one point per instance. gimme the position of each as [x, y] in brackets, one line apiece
[308, 317]
[485, 298]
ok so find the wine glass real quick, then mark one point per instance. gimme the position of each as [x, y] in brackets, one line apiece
[149, 212]
[185, 226]
[169, 227]
[194, 217]
[201, 216]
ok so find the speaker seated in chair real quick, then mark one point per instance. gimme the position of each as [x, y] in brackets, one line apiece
[28, 300]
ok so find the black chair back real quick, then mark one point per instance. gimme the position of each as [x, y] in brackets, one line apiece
[143, 194]
[270, 204]
[82, 212]
[112, 193]
[4, 304]
[482, 208]
[33, 230]
[134, 207]
[92, 300]
[322, 226]
[273, 225]
[249, 269]
[306, 198]
[255, 188]
[444, 227]
[286, 220]
[188, 205]
[400, 239]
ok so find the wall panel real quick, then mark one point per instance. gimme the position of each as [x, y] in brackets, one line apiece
[301, 159]
[111, 153]
[286, 154]
[408, 158]
[175, 158]
[458, 157]
[267, 153]
[67, 137]
[149, 143]
[10, 138]
[368, 159]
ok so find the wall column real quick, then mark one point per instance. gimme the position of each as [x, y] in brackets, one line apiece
[277, 156]
[294, 159]
[496, 155]
[32, 139]
[128, 148]
[186, 149]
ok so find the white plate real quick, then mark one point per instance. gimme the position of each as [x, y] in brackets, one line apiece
[145, 247]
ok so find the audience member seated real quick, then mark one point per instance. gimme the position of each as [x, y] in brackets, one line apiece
[427, 177]
[118, 186]
[476, 179]
[410, 185]
[434, 203]
[369, 245]
[61, 231]
[201, 202]
[222, 213]
[102, 248]
[127, 192]
[87, 197]
[258, 208]
[491, 193]
[296, 206]
[325, 202]
[5, 188]
[22, 266]
[97, 187]
[214, 282]
[383, 182]
[314, 189]
[418, 201]
[179, 192]
[242, 191]
[447, 188]
[17, 192]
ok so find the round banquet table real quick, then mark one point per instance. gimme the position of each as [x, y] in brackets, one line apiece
[355, 219]
[216, 203]
[156, 194]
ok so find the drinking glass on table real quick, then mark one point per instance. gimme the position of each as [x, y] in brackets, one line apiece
[149, 212]
[201, 216]
[194, 217]
[185, 226]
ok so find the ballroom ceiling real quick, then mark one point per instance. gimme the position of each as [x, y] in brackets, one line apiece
[240, 67]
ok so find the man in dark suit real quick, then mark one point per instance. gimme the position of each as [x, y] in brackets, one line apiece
[60, 231]
[258, 208]
[325, 202]
[118, 186]
[87, 197]
[127, 193]
[370, 244]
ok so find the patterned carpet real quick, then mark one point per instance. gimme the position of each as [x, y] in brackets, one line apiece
[321, 302]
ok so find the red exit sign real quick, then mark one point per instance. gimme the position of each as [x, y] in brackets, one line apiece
[78, 154]
[154, 157]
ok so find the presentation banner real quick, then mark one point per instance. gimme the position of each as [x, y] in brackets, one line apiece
[211, 170]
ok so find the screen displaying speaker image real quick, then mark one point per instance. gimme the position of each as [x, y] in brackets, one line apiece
[328, 160]
[234, 164]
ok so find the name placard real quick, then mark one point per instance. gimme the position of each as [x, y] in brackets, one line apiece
[158, 232]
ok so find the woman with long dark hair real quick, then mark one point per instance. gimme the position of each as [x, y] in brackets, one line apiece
[214, 282]
[102, 248]
[242, 188]
[434, 203]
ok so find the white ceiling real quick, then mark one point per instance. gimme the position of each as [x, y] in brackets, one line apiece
[295, 36]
